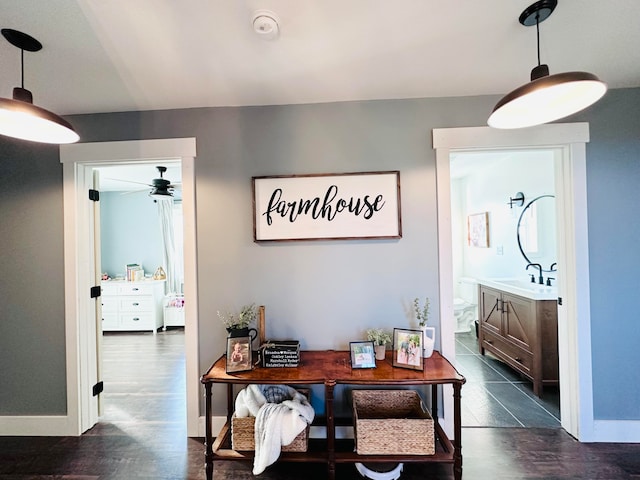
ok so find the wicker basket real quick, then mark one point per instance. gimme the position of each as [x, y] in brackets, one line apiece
[243, 433]
[392, 422]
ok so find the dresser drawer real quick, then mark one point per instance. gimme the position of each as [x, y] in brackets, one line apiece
[515, 356]
[135, 289]
[136, 322]
[136, 304]
[110, 321]
[109, 304]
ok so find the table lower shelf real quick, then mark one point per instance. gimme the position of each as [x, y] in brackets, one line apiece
[344, 451]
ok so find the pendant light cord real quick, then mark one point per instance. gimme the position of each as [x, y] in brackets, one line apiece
[538, 34]
[22, 67]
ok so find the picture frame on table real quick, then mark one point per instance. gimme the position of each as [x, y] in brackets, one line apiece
[362, 355]
[238, 354]
[407, 348]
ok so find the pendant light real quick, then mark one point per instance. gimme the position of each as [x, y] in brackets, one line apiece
[546, 97]
[19, 117]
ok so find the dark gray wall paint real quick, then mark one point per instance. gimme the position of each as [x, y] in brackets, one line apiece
[32, 341]
[328, 293]
[129, 231]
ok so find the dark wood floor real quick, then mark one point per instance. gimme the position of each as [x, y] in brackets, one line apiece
[142, 436]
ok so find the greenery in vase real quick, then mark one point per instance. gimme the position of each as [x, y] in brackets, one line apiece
[422, 313]
[378, 336]
[241, 320]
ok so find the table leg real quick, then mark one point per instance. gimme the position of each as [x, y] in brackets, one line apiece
[457, 432]
[208, 452]
[331, 429]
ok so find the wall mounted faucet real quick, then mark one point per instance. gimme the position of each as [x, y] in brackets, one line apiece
[539, 267]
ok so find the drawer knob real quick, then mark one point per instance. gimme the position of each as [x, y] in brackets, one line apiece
[136, 319]
[135, 289]
[135, 304]
[518, 359]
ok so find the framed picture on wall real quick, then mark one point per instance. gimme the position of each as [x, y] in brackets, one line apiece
[333, 206]
[407, 348]
[238, 354]
[478, 230]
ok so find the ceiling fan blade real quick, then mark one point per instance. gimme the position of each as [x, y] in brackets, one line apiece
[134, 191]
[128, 181]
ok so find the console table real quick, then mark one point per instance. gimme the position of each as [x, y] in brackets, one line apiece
[330, 368]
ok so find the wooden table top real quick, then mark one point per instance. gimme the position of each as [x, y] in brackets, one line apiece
[334, 366]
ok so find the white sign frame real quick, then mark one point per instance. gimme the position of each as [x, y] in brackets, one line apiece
[337, 206]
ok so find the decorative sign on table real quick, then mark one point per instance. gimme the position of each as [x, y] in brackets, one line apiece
[327, 206]
[281, 353]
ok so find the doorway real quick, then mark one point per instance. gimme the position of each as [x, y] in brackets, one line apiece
[483, 182]
[141, 316]
[78, 162]
[573, 254]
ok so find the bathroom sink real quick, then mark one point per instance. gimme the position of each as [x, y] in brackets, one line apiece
[523, 288]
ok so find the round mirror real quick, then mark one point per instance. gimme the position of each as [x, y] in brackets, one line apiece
[536, 231]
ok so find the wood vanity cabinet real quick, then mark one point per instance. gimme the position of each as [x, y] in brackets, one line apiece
[521, 332]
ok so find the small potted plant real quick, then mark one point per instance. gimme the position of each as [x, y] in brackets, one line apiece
[237, 325]
[380, 338]
[428, 333]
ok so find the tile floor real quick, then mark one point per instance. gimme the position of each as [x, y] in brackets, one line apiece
[497, 396]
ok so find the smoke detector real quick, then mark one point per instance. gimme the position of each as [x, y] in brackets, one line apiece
[265, 24]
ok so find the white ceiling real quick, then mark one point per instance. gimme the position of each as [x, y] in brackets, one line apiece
[122, 55]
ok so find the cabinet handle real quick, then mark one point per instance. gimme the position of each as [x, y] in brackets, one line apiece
[518, 359]
[490, 342]
[136, 319]
[498, 308]
[135, 289]
[135, 304]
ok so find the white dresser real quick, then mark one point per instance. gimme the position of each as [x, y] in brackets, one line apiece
[131, 306]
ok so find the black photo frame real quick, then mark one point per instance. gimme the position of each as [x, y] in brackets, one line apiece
[239, 354]
[407, 348]
[362, 355]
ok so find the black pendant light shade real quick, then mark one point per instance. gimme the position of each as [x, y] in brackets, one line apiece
[547, 97]
[19, 117]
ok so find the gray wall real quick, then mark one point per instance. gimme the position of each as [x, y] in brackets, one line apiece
[130, 232]
[325, 293]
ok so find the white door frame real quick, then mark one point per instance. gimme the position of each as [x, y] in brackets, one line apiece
[78, 161]
[574, 330]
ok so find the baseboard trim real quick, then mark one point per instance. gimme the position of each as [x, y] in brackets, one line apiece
[615, 431]
[36, 426]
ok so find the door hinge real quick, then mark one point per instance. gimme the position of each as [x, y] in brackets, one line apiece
[94, 195]
[95, 291]
[98, 388]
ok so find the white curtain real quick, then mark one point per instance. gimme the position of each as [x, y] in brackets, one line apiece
[165, 212]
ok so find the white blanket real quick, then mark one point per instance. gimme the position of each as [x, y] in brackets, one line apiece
[281, 414]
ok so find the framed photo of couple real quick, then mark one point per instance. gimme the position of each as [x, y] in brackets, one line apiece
[407, 348]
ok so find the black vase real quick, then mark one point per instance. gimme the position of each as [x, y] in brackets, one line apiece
[242, 332]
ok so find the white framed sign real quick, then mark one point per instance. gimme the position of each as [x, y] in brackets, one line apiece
[327, 206]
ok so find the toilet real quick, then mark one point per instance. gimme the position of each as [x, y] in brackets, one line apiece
[465, 305]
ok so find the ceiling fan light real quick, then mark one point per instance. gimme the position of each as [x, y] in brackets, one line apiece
[160, 193]
[547, 99]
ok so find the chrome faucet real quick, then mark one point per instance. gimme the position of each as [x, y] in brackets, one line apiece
[539, 267]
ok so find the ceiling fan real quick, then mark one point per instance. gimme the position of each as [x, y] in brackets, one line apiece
[160, 187]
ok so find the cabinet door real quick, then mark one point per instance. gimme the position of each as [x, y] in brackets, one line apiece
[520, 320]
[490, 315]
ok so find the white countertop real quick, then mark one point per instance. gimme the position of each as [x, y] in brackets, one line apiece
[522, 288]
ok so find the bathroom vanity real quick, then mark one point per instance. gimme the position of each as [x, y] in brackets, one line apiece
[519, 326]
